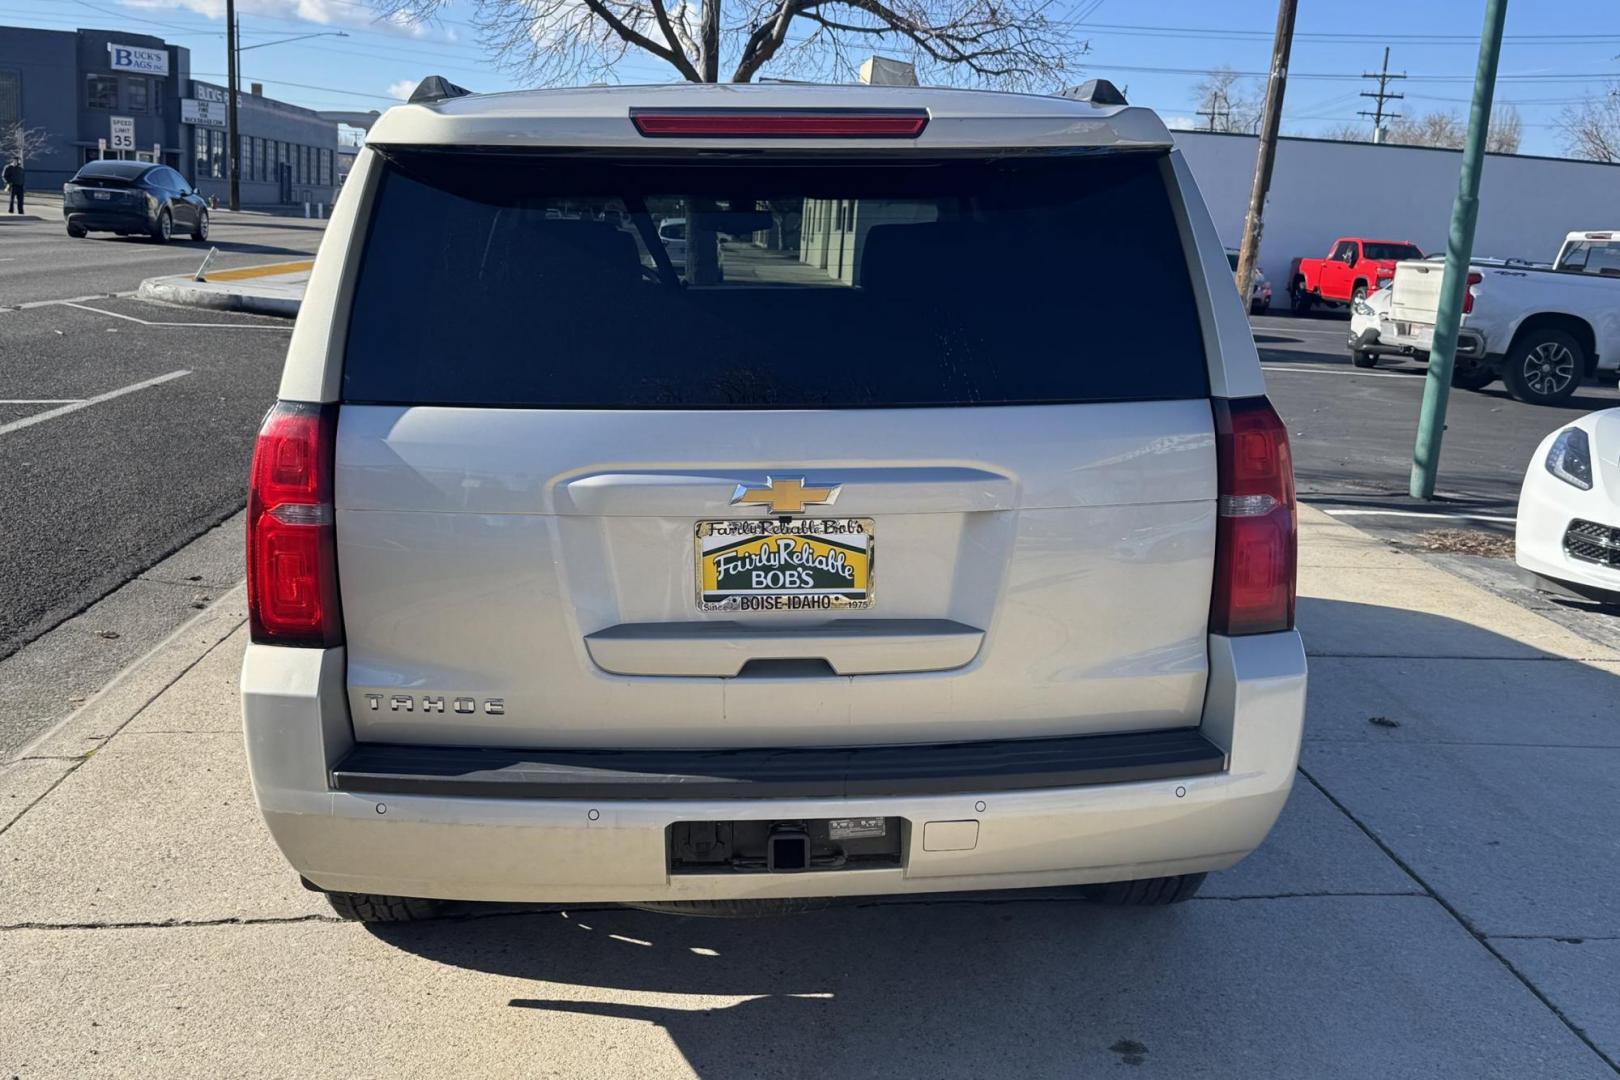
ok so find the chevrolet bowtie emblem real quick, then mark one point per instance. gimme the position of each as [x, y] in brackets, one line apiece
[784, 496]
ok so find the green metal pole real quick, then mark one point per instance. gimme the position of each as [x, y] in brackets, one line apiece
[1459, 250]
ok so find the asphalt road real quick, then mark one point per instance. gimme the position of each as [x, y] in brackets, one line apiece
[1352, 433]
[40, 262]
[143, 415]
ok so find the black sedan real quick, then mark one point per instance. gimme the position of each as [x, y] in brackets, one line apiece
[133, 198]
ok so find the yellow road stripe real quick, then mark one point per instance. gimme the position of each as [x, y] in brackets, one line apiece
[260, 271]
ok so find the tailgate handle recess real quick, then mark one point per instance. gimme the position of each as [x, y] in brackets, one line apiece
[721, 648]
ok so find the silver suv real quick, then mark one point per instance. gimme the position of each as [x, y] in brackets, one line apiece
[924, 526]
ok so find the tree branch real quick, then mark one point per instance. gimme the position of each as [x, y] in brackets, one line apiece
[677, 47]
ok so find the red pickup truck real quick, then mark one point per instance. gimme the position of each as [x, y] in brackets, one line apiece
[1353, 268]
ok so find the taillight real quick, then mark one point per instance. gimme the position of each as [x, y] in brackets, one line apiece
[291, 552]
[1255, 529]
[779, 124]
[1468, 292]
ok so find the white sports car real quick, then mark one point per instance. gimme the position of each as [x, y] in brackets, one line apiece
[1568, 536]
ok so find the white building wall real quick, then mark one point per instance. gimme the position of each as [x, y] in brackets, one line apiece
[1322, 190]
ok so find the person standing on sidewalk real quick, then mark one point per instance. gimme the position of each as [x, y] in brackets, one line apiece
[14, 176]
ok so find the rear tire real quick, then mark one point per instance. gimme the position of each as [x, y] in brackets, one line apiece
[371, 908]
[1148, 892]
[1358, 293]
[1363, 359]
[78, 232]
[1299, 300]
[1468, 374]
[1544, 367]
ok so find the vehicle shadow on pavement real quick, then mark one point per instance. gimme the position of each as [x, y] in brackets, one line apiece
[949, 988]
[1327, 960]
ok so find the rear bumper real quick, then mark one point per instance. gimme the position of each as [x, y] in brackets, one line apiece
[1387, 338]
[135, 219]
[1194, 810]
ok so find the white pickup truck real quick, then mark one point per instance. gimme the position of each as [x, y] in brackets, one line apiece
[1542, 330]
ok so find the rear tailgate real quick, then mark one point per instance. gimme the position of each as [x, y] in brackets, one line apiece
[864, 479]
[1416, 293]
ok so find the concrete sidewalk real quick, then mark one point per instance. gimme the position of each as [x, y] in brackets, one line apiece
[272, 289]
[1437, 901]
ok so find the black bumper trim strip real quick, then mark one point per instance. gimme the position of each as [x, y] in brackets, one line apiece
[807, 773]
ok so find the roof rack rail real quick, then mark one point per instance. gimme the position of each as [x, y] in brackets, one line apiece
[436, 88]
[1096, 91]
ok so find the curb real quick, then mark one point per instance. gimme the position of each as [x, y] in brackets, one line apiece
[69, 743]
[19, 219]
[199, 295]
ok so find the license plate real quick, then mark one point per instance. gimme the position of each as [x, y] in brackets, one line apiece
[102, 195]
[804, 564]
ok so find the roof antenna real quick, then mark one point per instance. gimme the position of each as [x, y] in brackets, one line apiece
[436, 88]
[1096, 91]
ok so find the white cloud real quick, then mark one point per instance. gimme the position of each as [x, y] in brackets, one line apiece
[337, 13]
[402, 89]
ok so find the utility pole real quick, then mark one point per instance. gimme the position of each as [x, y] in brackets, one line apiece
[1270, 122]
[1381, 95]
[231, 140]
[1459, 249]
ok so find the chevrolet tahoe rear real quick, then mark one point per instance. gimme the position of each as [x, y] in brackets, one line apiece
[827, 560]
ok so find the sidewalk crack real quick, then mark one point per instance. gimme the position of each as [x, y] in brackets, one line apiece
[173, 924]
[1462, 921]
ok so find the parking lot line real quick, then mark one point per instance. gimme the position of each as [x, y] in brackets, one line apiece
[1338, 371]
[40, 401]
[52, 414]
[180, 325]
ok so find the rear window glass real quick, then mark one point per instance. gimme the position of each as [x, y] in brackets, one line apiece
[580, 282]
[1390, 251]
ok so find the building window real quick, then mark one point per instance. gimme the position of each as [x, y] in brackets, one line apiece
[216, 154]
[102, 91]
[199, 168]
[281, 159]
[139, 93]
[303, 164]
[159, 88]
[10, 98]
[326, 168]
[247, 157]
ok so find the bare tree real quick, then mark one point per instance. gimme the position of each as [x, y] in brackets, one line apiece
[19, 143]
[1226, 103]
[1347, 132]
[1448, 129]
[1592, 128]
[1506, 131]
[1012, 43]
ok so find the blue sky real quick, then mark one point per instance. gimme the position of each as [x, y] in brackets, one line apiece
[1554, 54]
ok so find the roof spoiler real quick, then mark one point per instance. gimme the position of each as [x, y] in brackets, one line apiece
[436, 88]
[1096, 91]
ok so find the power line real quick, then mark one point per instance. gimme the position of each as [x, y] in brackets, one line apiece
[1347, 37]
[1381, 95]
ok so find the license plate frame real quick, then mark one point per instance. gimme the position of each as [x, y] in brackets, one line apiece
[835, 555]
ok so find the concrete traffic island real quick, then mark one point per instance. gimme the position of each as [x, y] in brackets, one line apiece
[1437, 901]
[273, 289]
